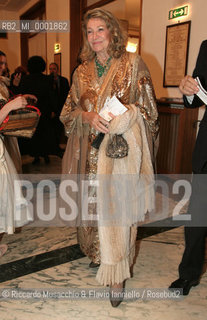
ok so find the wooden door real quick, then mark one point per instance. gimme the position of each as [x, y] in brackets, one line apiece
[177, 138]
[76, 13]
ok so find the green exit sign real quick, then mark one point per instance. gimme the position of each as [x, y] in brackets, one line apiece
[179, 12]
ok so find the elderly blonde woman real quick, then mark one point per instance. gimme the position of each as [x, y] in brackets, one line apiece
[107, 70]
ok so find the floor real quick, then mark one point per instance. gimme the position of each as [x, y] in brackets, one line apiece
[45, 276]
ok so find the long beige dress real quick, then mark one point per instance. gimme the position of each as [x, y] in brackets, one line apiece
[129, 80]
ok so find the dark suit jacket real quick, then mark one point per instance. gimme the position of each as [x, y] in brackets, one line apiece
[200, 150]
[61, 93]
[39, 85]
[43, 141]
[64, 89]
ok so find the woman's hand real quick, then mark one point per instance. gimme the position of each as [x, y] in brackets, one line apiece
[17, 103]
[17, 79]
[95, 121]
[188, 86]
[112, 115]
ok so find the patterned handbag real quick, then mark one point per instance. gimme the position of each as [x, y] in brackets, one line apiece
[117, 147]
[21, 123]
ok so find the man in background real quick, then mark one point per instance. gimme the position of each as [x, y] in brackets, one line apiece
[191, 266]
[61, 88]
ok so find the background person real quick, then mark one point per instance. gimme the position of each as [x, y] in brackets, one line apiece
[10, 161]
[191, 266]
[43, 143]
[61, 88]
[10, 142]
[13, 208]
[16, 77]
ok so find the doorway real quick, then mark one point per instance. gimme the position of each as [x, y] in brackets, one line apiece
[33, 43]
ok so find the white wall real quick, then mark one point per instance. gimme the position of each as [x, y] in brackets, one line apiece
[11, 45]
[59, 10]
[154, 22]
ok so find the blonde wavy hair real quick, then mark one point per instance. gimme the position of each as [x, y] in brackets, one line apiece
[117, 45]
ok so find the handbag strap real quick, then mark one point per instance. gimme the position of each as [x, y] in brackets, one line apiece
[33, 107]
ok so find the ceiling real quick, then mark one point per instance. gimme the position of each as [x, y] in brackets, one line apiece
[12, 5]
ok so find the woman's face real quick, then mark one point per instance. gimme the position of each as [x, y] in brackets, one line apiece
[98, 35]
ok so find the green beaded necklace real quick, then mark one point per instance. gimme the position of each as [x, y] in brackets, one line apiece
[100, 68]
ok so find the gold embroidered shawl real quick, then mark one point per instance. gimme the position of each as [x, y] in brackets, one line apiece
[124, 195]
[129, 79]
